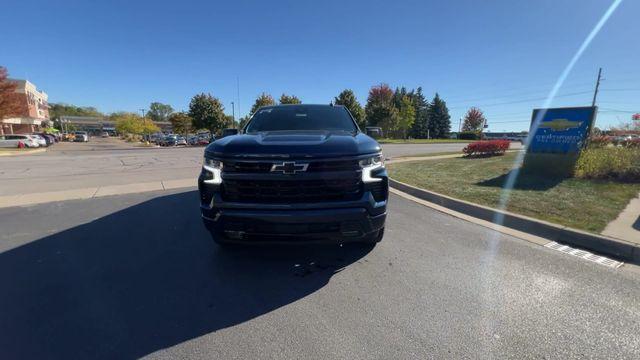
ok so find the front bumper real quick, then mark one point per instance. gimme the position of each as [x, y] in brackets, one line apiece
[333, 222]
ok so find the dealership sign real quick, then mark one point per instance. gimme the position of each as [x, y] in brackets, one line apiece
[560, 130]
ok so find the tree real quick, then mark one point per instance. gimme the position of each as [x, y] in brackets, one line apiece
[421, 123]
[398, 96]
[439, 119]
[9, 102]
[263, 99]
[148, 127]
[380, 110]
[243, 121]
[159, 111]
[286, 99]
[348, 99]
[473, 120]
[181, 123]
[134, 124]
[207, 112]
[406, 115]
[127, 123]
[60, 109]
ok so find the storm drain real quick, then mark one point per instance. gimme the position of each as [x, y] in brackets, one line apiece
[584, 255]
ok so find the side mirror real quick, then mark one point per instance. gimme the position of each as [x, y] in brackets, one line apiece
[229, 132]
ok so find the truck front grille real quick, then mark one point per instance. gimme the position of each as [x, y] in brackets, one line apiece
[252, 167]
[291, 191]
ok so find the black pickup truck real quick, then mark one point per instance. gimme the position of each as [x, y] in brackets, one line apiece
[296, 173]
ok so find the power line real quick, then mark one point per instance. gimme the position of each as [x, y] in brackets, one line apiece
[525, 100]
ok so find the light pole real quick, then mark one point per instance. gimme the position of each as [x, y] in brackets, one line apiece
[233, 112]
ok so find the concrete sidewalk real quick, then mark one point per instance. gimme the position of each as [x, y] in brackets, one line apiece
[94, 192]
[627, 225]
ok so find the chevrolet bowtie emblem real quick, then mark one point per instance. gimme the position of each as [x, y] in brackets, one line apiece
[289, 167]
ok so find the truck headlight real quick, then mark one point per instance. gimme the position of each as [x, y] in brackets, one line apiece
[370, 164]
[215, 168]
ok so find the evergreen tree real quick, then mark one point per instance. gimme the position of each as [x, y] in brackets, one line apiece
[348, 99]
[421, 105]
[439, 123]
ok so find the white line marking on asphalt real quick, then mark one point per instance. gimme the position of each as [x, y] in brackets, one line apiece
[598, 259]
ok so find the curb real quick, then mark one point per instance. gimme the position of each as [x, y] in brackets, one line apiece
[22, 152]
[604, 245]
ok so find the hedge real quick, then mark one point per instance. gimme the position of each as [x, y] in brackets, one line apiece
[487, 148]
[610, 163]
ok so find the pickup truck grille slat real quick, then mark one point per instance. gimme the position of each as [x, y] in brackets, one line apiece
[251, 181]
[291, 191]
[250, 167]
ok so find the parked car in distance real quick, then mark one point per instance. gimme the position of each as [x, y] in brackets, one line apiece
[49, 139]
[104, 134]
[180, 140]
[26, 140]
[81, 136]
[192, 140]
[39, 139]
[7, 142]
[169, 140]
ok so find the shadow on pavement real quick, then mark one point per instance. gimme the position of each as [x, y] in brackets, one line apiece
[146, 278]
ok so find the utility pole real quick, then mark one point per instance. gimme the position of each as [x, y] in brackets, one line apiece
[142, 111]
[595, 93]
[233, 112]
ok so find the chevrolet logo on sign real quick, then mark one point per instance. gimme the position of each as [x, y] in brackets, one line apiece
[289, 167]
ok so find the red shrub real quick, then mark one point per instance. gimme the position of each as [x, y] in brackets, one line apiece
[487, 148]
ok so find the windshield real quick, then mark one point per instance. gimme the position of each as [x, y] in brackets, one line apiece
[301, 117]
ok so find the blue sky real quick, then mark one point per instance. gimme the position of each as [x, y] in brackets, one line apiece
[502, 56]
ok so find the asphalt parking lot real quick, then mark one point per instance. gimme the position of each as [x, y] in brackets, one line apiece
[110, 161]
[137, 276]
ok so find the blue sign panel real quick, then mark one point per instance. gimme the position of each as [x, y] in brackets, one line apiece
[560, 130]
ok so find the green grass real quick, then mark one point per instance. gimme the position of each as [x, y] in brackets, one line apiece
[420, 141]
[579, 203]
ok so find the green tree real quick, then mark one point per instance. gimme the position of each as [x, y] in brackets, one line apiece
[406, 115]
[348, 99]
[473, 120]
[181, 123]
[380, 109]
[398, 97]
[159, 111]
[263, 99]
[421, 123]
[289, 99]
[439, 119]
[58, 110]
[207, 112]
[127, 123]
[243, 121]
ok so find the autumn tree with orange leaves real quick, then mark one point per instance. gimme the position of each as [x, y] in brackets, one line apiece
[9, 104]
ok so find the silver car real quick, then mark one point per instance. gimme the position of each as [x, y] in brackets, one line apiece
[15, 140]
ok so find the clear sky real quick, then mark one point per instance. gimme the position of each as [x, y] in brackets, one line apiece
[502, 56]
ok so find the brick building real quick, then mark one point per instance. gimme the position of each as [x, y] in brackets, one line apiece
[33, 113]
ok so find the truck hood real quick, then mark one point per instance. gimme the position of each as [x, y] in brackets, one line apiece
[293, 145]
